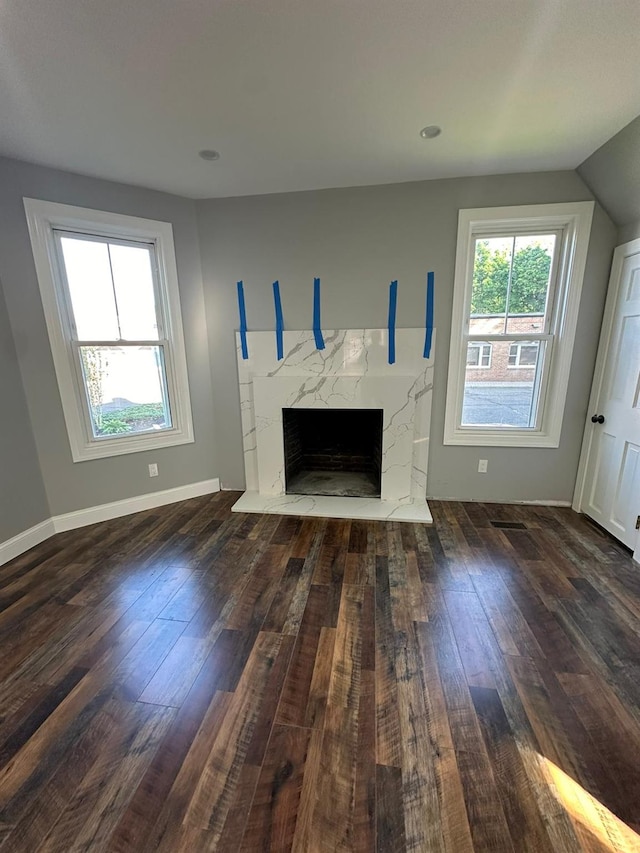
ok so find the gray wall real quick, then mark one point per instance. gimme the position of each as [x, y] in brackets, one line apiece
[70, 485]
[613, 174]
[357, 240]
[23, 501]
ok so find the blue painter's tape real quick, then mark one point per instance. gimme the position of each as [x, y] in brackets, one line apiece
[279, 321]
[429, 319]
[243, 321]
[317, 331]
[393, 299]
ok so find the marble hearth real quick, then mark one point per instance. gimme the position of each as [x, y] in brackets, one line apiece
[352, 372]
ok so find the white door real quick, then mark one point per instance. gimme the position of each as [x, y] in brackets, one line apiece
[611, 452]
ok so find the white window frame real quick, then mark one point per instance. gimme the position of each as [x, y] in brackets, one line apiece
[573, 221]
[43, 218]
[480, 366]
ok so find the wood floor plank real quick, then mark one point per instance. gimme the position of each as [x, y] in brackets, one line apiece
[333, 814]
[524, 820]
[210, 802]
[295, 692]
[303, 586]
[272, 820]
[509, 625]
[316, 704]
[175, 676]
[462, 607]
[333, 552]
[95, 808]
[17, 703]
[435, 704]
[23, 649]
[281, 603]
[164, 827]
[145, 658]
[357, 568]
[562, 738]
[364, 809]
[390, 831]
[34, 816]
[32, 722]
[237, 816]
[269, 706]
[197, 721]
[487, 821]
[388, 748]
[304, 839]
[456, 832]
[310, 529]
[421, 805]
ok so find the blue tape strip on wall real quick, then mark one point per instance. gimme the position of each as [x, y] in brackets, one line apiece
[279, 321]
[393, 298]
[429, 319]
[317, 331]
[243, 321]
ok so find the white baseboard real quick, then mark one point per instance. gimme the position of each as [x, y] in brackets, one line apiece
[488, 501]
[537, 503]
[27, 539]
[82, 517]
[116, 509]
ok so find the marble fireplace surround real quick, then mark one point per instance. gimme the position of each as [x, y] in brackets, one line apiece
[352, 372]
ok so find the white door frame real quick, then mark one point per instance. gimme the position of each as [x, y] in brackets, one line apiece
[619, 256]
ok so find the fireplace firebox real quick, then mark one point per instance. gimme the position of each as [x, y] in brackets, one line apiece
[333, 451]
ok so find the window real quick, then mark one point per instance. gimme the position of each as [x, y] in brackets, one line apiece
[478, 355]
[524, 354]
[517, 290]
[110, 295]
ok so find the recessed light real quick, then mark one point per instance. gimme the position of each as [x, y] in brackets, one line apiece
[431, 131]
[209, 154]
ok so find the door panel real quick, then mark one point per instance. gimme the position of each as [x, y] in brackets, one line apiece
[633, 290]
[622, 515]
[605, 450]
[624, 373]
[612, 484]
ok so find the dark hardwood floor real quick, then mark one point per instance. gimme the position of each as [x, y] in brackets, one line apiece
[188, 679]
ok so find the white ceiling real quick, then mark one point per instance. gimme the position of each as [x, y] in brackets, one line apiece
[301, 94]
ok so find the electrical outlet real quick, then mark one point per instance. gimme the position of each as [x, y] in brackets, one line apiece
[482, 466]
[153, 469]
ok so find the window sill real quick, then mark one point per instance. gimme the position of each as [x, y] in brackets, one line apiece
[517, 438]
[104, 449]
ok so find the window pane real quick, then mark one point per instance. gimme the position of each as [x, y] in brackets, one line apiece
[133, 285]
[528, 354]
[505, 395]
[90, 287]
[473, 355]
[126, 390]
[510, 287]
[491, 266]
[111, 289]
[528, 296]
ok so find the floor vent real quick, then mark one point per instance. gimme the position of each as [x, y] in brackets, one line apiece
[509, 525]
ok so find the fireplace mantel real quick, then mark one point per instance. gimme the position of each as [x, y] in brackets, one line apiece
[351, 372]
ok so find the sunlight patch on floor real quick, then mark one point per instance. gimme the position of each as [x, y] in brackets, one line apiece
[609, 830]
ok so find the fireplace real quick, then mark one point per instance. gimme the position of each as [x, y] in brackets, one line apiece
[354, 426]
[333, 452]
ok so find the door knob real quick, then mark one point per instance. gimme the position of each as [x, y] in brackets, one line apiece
[597, 419]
